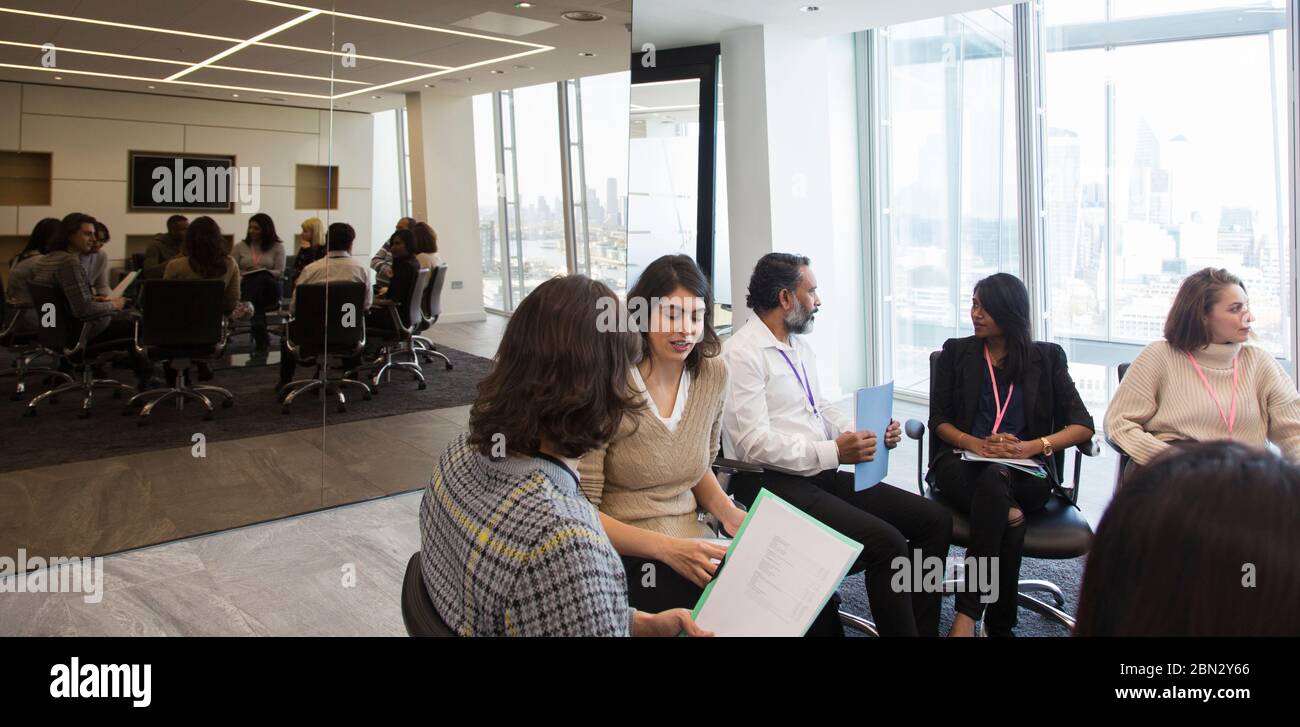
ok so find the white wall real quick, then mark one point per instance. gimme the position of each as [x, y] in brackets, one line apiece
[792, 161]
[89, 134]
[444, 192]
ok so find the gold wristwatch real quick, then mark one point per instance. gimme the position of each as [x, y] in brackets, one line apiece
[1047, 447]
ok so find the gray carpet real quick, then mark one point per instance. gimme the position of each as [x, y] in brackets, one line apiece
[56, 435]
[1066, 574]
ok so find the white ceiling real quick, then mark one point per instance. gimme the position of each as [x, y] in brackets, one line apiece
[400, 46]
[678, 23]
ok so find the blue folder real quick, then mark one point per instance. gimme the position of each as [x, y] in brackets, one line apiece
[875, 408]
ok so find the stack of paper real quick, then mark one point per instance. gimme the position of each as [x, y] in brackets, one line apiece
[1024, 465]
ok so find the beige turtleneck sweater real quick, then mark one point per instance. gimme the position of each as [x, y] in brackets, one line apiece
[1162, 399]
[644, 475]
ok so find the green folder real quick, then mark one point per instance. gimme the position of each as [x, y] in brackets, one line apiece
[764, 496]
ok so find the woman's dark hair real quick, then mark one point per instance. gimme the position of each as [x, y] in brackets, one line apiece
[101, 232]
[557, 377]
[1185, 327]
[659, 280]
[68, 226]
[269, 238]
[774, 272]
[1006, 300]
[206, 248]
[43, 233]
[1201, 542]
[426, 240]
[407, 238]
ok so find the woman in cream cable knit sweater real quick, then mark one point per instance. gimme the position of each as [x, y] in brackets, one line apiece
[649, 480]
[1203, 382]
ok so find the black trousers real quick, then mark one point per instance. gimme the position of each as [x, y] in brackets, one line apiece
[889, 522]
[653, 586]
[263, 291]
[987, 492]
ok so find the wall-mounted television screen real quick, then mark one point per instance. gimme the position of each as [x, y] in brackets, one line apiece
[161, 181]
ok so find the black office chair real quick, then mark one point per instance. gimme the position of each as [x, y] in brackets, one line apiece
[418, 613]
[1124, 457]
[1059, 531]
[723, 469]
[182, 321]
[69, 338]
[398, 338]
[430, 310]
[317, 331]
[23, 346]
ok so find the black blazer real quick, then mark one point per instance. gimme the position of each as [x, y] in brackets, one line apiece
[1051, 400]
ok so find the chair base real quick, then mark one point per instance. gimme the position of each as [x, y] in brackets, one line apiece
[181, 391]
[87, 388]
[387, 365]
[859, 623]
[21, 372]
[294, 389]
[1053, 611]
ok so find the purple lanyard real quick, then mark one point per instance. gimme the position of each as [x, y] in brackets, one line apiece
[804, 383]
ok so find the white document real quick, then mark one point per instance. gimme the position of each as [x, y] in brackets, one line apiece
[781, 570]
[124, 284]
[1025, 465]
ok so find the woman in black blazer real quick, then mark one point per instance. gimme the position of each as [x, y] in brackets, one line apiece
[999, 394]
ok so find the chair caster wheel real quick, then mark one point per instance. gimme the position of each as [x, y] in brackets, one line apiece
[449, 367]
[341, 410]
[422, 386]
[207, 417]
[141, 421]
[366, 397]
[284, 410]
[29, 413]
[83, 414]
[227, 403]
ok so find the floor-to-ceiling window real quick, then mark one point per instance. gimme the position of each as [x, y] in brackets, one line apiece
[949, 178]
[1165, 151]
[598, 113]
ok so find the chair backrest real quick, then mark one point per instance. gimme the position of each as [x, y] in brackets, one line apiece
[418, 613]
[1123, 369]
[415, 308]
[66, 331]
[182, 312]
[329, 314]
[433, 297]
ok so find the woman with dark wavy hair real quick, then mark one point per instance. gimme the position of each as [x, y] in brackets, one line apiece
[655, 473]
[510, 546]
[1000, 394]
[206, 259]
[261, 257]
[1201, 542]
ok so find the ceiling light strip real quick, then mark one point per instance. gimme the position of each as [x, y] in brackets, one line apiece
[377, 87]
[168, 61]
[159, 80]
[240, 46]
[402, 23]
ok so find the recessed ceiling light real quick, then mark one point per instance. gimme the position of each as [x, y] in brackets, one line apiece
[152, 88]
[429, 85]
[586, 54]
[497, 72]
[810, 8]
[523, 68]
[376, 97]
[523, 6]
[58, 78]
[234, 95]
[583, 16]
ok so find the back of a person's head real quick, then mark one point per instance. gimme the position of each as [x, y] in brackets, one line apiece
[426, 239]
[340, 237]
[561, 374]
[43, 233]
[206, 247]
[1201, 542]
[774, 272]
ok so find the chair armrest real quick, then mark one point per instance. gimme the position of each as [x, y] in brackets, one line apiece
[915, 429]
[1090, 448]
[733, 465]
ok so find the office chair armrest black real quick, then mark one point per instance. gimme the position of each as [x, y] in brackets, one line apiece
[733, 465]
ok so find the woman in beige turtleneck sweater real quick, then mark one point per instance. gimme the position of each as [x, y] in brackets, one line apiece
[1182, 388]
[651, 478]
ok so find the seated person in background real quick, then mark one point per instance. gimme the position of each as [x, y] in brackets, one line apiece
[260, 256]
[405, 269]
[1000, 394]
[1204, 382]
[382, 261]
[61, 268]
[510, 547]
[426, 245]
[1200, 542]
[95, 262]
[776, 417]
[311, 247]
[21, 267]
[338, 265]
[651, 477]
[165, 246]
[205, 258]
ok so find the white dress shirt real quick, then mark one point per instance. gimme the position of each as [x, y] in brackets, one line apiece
[767, 419]
[336, 267]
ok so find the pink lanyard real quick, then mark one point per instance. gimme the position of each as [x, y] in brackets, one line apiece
[997, 400]
[1229, 419]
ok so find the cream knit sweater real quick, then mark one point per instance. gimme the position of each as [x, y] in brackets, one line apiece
[644, 475]
[1162, 399]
